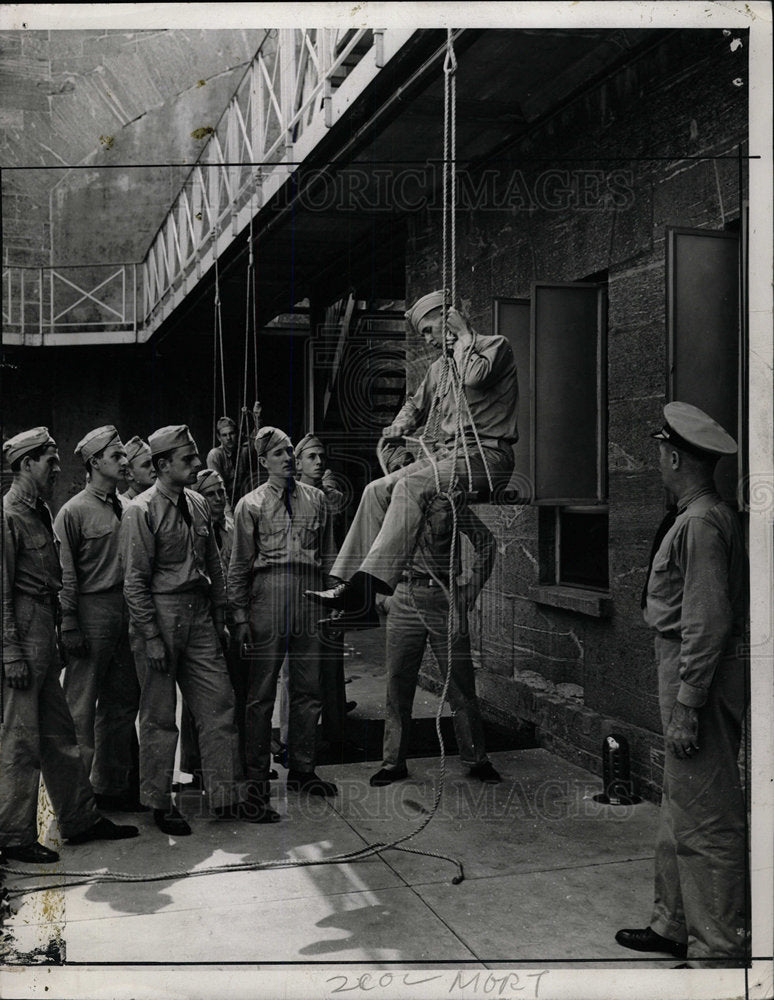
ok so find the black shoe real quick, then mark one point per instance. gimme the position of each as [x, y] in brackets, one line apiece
[387, 775]
[349, 621]
[308, 781]
[104, 829]
[355, 597]
[120, 803]
[646, 939]
[30, 854]
[273, 775]
[256, 808]
[171, 821]
[350, 706]
[486, 773]
[280, 757]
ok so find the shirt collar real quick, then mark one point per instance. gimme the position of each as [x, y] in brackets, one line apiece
[279, 490]
[27, 498]
[685, 501]
[100, 494]
[170, 492]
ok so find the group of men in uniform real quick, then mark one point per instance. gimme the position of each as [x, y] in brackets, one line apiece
[215, 604]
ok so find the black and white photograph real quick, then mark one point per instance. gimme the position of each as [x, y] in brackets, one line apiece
[387, 501]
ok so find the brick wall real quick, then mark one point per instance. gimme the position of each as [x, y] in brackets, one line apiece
[678, 102]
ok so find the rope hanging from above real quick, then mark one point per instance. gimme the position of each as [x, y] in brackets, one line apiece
[218, 359]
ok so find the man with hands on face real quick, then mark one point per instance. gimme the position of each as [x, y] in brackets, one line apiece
[282, 545]
[100, 682]
[234, 469]
[37, 735]
[696, 599]
[175, 592]
[391, 510]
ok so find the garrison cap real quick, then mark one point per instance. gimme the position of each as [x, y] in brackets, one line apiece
[169, 438]
[308, 441]
[691, 429]
[135, 446]
[95, 441]
[206, 479]
[23, 443]
[433, 300]
[225, 422]
[269, 437]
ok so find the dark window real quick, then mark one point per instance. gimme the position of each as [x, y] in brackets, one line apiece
[582, 547]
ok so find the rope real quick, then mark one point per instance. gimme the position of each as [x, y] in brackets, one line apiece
[218, 359]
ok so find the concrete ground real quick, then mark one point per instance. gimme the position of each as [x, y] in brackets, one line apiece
[549, 873]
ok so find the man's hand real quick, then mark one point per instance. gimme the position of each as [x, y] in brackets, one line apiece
[394, 432]
[17, 673]
[458, 332]
[682, 732]
[75, 642]
[223, 634]
[240, 634]
[157, 655]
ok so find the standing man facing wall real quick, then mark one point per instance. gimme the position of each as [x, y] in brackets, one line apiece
[696, 600]
[174, 588]
[100, 682]
[37, 735]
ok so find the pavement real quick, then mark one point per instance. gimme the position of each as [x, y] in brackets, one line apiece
[549, 873]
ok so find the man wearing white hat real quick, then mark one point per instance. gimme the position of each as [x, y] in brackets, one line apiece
[696, 599]
[100, 682]
[390, 513]
[37, 735]
[174, 588]
[282, 545]
[140, 472]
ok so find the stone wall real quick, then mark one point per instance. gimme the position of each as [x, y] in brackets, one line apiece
[637, 151]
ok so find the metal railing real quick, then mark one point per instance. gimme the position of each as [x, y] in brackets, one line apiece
[299, 83]
[42, 302]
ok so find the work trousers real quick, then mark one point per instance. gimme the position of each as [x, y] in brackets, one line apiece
[701, 881]
[38, 737]
[194, 662]
[417, 615]
[283, 623]
[103, 693]
[333, 695]
[190, 754]
[390, 513]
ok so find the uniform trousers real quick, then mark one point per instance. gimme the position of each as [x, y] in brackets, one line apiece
[103, 693]
[190, 754]
[415, 617]
[283, 623]
[701, 880]
[38, 737]
[333, 695]
[391, 510]
[195, 662]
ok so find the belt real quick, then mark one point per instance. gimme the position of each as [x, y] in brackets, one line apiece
[47, 600]
[427, 581]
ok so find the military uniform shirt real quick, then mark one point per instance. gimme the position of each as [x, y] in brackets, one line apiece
[265, 536]
[87, 529]
[160, 554]
[488, 371]
[30, 562]
[697, 589]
